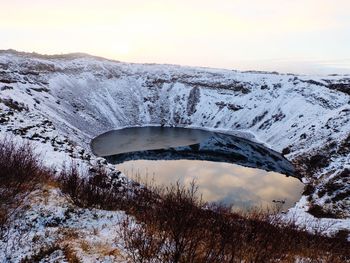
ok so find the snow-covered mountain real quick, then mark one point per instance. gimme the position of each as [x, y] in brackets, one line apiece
[61, 102]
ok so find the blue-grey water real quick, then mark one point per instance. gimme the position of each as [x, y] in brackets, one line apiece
[227, 169]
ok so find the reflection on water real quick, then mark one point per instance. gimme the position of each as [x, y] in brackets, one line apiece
[226, 168]
[220, 182]
[165, 143]
[146, 138]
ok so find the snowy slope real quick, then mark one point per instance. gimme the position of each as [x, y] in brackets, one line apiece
[62, 102]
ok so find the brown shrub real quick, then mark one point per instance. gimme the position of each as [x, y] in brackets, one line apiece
[179, 227]
[318, 161]
[319, 212]
[172, 224]
[90, 189]
[21, 172]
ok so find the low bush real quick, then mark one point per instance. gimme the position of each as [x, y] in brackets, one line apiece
[319, 212]
[182, 228]
[172, 224]
[90, 189]
[21, 172]
[168, 224]
[95, 188]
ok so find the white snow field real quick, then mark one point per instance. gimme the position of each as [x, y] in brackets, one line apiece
[61, 102]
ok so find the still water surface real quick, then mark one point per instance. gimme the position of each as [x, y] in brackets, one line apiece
[220, 182]
[226, 168]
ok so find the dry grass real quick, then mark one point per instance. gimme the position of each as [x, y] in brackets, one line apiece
[70, 255]
[84, 245]
[100, 248]
[174, 225]
[21, 172]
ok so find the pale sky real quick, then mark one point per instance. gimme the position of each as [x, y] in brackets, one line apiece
[300, 36]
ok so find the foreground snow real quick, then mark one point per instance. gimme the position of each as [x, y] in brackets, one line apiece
[52, 221]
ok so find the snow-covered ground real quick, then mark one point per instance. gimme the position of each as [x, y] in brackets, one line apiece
[61, 102]
[54, 228]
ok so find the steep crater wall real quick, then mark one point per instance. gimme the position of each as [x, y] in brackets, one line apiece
[84, 96]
